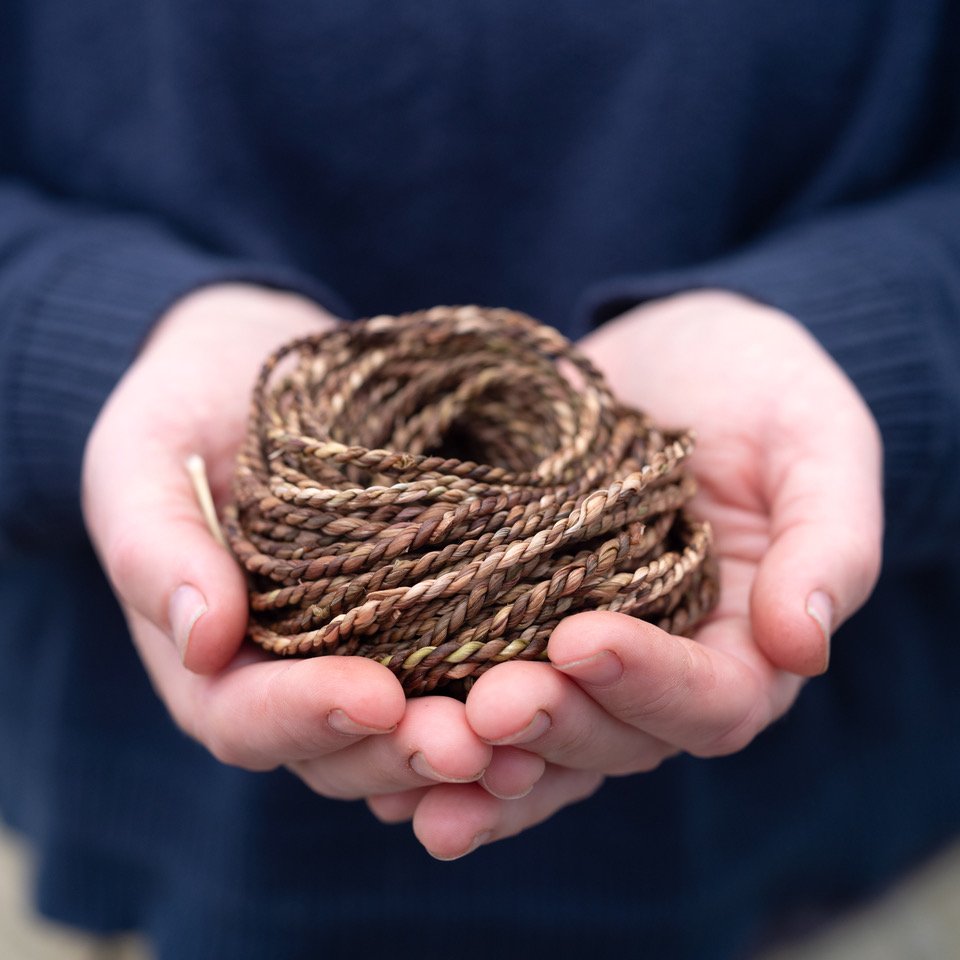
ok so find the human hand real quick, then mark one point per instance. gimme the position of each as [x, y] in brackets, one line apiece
[341, 724]
[788, 464]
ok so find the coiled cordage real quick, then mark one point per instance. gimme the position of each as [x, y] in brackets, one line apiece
[438, 490]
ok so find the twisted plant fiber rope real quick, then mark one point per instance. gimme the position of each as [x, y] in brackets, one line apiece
[437, 491]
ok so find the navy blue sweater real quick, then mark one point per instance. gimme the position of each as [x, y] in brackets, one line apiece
[568, 159]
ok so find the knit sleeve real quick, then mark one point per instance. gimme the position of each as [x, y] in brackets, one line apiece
[79, 289]
[879, 286]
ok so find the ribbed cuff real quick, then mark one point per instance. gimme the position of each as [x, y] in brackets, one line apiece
[872, 292]
[92, 300]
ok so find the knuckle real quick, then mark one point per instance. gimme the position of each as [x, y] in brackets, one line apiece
[693, 672]
[734, 737]
[575, 746]
[225, 749]
[294, 724]
[219, 734]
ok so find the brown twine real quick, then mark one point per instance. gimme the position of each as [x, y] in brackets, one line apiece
[437, 491]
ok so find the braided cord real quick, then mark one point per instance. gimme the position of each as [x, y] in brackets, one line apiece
[438, 490]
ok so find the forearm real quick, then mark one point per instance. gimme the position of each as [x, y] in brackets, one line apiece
[79, 291]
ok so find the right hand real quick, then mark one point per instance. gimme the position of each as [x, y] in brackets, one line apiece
[340, 723]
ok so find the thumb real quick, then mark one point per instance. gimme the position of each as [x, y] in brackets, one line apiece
[158, 551]
[824, 557]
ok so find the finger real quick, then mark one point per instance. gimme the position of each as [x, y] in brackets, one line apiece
[533, 705]
[396, 807]
[694, 695]
[265, 712]
[432, 744]
[155, 544]
[824, 556]
[512, 773]
[452, 821]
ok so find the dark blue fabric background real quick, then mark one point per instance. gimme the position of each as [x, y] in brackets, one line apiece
[569, 160]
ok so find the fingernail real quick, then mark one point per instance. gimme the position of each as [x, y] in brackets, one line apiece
[341, 722]
[820, 608]
[537, 727]
[419, 765]
[187, 606]
[506, 796]
[478, 841]
[602, 668]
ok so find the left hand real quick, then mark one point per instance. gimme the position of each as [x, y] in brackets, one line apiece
[341, 724]
[789, 469]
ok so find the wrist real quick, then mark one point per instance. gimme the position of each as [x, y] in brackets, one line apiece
[221, 307]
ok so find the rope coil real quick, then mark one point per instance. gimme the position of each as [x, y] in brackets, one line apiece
[438, 490]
